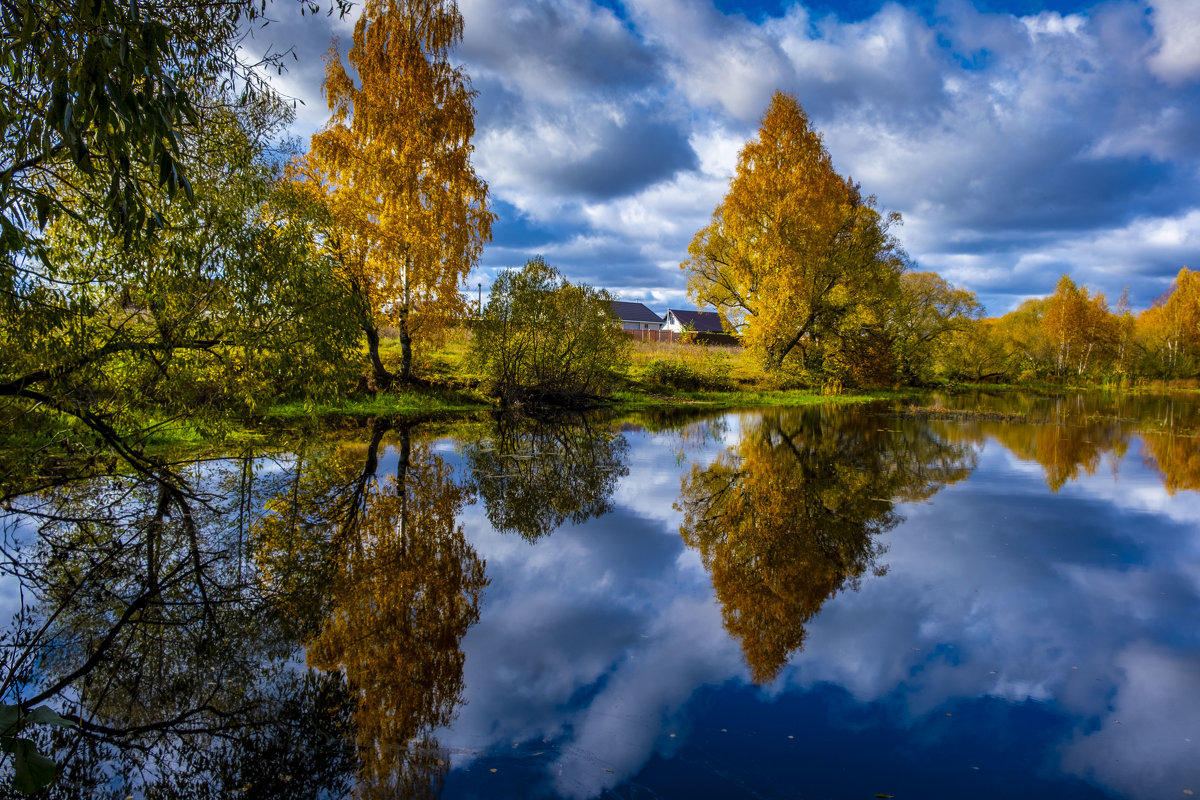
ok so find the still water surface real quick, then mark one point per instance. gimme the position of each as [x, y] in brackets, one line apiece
[826, 602]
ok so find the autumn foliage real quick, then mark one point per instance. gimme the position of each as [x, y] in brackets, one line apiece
[407, 214]
[795, 259]
[1073, 335]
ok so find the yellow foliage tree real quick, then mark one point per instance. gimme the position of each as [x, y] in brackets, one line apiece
[408, 216]
[1170, 329]
[1078, 325]
[794, 253]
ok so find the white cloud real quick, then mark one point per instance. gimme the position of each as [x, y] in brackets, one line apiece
[1012, 145]
[593, 641]
[1177, 30]
[1148, 741]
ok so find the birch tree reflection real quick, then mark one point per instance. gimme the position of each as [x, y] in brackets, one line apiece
[402, 590]
[790, 516]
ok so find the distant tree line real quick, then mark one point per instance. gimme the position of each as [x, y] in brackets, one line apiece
[1073, 335]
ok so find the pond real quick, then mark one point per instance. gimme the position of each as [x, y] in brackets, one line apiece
[826, 602]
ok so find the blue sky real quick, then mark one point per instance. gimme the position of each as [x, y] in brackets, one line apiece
[1018, 140]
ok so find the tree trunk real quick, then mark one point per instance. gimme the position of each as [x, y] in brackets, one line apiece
[405, 349]
[779, 350]
[383, 378]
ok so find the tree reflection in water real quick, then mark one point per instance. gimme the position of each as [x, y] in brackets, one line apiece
[166, 611]
[165, 617]
[402, 588]
[787, 518]
[140, 619]
[536, 474]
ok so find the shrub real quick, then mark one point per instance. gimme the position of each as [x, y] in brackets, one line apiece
[702, 369]
[544, 340]
[673, 374]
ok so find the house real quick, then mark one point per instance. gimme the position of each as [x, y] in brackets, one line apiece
[698, 321]
[636, 317]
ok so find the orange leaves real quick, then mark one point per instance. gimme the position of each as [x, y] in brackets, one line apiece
[393, 166]
[1170, 329]
[793, 246]
[1078, 326]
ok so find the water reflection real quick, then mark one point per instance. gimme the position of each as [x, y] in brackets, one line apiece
[1075, 435]
[398, 587]
[319, 620]
[791, 514]
[137, 616]
[536, 474]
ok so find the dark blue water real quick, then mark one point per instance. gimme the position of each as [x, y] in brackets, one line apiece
[1022, 642]
[831, 602]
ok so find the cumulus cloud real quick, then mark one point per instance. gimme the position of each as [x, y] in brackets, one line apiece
[579, 109]
[1176, 58]
[1013, 145]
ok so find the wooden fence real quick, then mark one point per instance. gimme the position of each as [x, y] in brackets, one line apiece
[671, 337]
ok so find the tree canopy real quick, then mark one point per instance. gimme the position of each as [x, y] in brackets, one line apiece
[542, 339]
[99, 95]
[795, 256]
[408, 215]
[211, 315]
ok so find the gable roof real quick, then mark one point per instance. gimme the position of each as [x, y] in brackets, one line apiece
[634, 312]
[701, 321]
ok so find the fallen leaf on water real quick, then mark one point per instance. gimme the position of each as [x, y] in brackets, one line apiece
[880, 794]
[492, 770]
[1188, 791]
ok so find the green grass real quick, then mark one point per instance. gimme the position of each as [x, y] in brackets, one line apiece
[406, 403]
[660, 375]
[742, 398]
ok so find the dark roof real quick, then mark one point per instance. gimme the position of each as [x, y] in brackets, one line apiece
[634, 312]
[701, 321]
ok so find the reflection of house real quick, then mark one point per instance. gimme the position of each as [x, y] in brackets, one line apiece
[636, 317]
[698, 321]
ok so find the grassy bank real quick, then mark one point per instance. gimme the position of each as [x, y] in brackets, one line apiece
[660, 375]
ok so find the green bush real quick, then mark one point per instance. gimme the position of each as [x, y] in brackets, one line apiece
[543, 340]
[709, 373]
[673, 374]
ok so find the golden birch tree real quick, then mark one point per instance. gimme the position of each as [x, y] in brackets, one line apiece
[1079, 324]
[408, 216]
[794, 252]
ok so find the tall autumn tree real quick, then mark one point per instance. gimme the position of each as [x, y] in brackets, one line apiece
[794, 254]
[408, 216]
